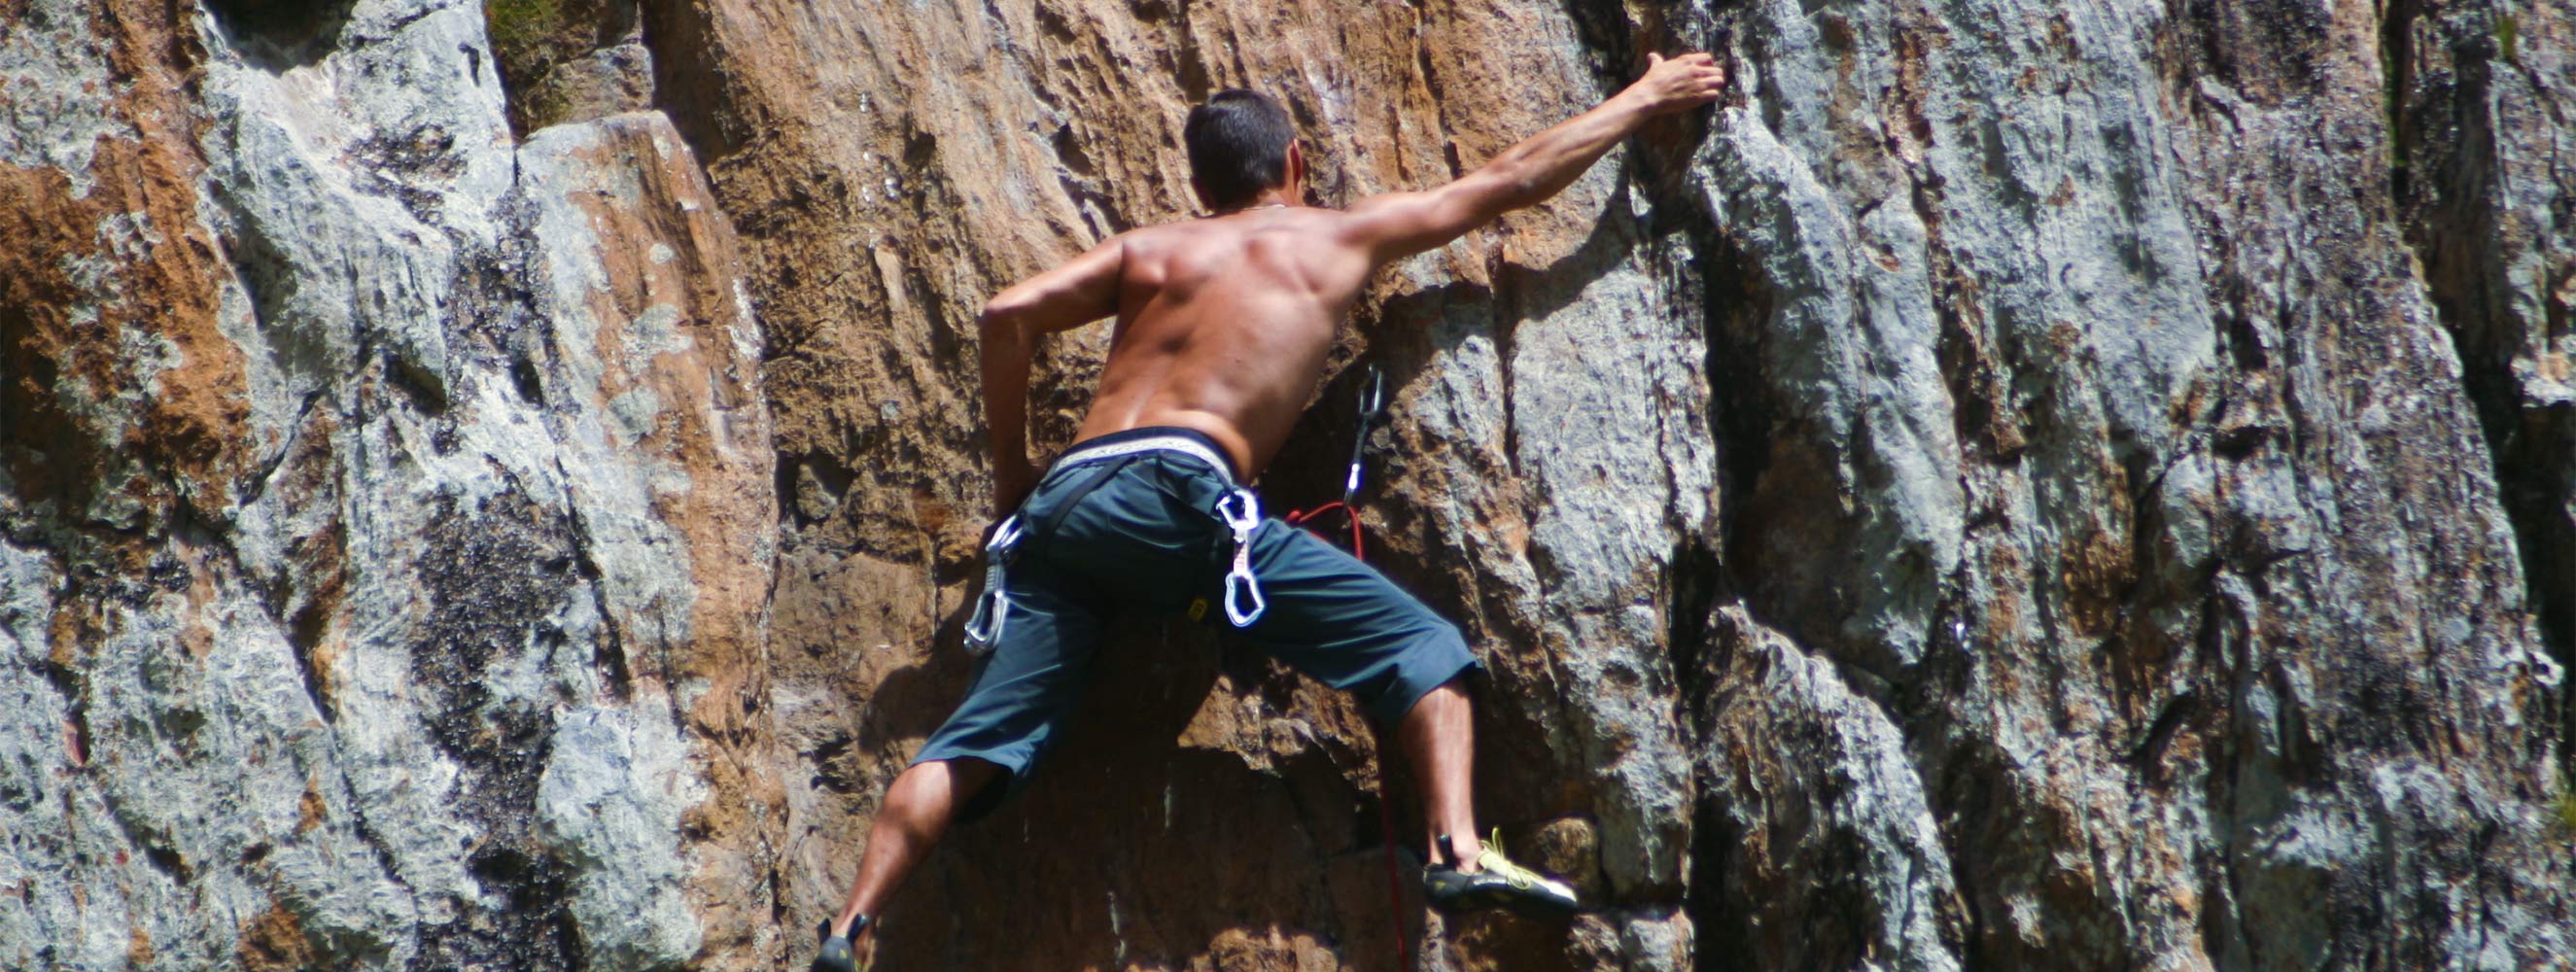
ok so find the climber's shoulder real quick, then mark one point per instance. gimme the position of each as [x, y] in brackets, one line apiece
[1302, 240]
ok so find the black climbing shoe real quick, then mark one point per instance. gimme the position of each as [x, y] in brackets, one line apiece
[836, 955]
[1497, 883]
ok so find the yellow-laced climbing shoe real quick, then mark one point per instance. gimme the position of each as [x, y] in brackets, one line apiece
[836, 955]
[1497, 883]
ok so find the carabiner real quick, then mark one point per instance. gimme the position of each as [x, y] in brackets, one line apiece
[993, 608]
[1242, 513]
[1372, 405]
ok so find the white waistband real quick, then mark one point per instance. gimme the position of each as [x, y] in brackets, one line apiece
[1182, 444]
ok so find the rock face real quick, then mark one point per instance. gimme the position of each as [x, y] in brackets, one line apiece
[388, 513]
[2022, 485]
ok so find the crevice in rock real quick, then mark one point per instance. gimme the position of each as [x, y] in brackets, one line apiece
[610, 652]
[1698, 585]
[257, 483]
[497, 305]
[74, 688]
[2451, 197]
[2148, 754]
[2397, 76]
[1713, 843]
[426, 389]
[689, 85]
[277, 35]
[568, 60]
[305, 631]
[1740, 306]
[381, 850]
[153, 842]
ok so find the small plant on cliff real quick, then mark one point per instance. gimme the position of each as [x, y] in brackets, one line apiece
[529, 37]
[2563, 813]
[519, 27]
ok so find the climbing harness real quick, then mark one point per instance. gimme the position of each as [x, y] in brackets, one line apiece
[1240, 510]
[1086, 455]
[1372, 404]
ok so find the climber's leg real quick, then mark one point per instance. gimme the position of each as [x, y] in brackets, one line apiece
[1438, 736]
[1028, 688]
[1343, 624]
[917, 810]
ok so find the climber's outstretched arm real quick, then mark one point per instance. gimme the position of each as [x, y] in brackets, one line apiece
[1077, 293]
[1400, 224]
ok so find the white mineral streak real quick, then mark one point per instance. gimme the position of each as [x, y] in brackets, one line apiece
[612, 801]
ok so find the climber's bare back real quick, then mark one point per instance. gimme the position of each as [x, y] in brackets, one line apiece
[1223, 322]
[1223, 325]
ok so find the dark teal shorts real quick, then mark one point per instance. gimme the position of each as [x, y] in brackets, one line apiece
[1141, 532]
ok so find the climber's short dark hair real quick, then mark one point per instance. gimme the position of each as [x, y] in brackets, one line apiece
[1238, 144]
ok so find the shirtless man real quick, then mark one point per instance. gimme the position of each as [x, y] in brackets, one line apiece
[1223, 325]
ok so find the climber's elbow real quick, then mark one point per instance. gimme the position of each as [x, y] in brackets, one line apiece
[1002, 320]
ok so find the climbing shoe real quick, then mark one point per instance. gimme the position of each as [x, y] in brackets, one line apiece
[836, 955]
[1497, 883]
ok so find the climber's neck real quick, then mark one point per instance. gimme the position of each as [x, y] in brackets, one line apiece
[1276, 198]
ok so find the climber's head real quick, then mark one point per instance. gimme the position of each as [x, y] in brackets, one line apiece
[1242, 144]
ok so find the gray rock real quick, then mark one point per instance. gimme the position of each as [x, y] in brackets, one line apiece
[407, 687]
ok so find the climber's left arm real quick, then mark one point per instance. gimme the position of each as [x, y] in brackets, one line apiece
[1398, 224]
[1077, 293]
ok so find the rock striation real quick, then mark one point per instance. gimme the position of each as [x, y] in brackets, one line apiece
[2020, 485]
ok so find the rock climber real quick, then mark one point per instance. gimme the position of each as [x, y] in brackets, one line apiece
[1223, 326]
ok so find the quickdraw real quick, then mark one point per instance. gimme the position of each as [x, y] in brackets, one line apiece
[1372, 407]
[1242, 513]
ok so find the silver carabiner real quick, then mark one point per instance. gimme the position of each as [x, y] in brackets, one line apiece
[1372, 404]
[1242, 513]
[993, 608]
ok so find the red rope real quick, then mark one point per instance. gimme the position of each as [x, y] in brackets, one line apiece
[1304, 517]
[1385, 806]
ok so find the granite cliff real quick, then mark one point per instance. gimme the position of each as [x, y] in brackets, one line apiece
[2020, 485]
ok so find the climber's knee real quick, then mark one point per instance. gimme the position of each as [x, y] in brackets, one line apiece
[1437, 659]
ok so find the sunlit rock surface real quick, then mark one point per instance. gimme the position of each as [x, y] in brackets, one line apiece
[2020, 485]
[389, 521]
